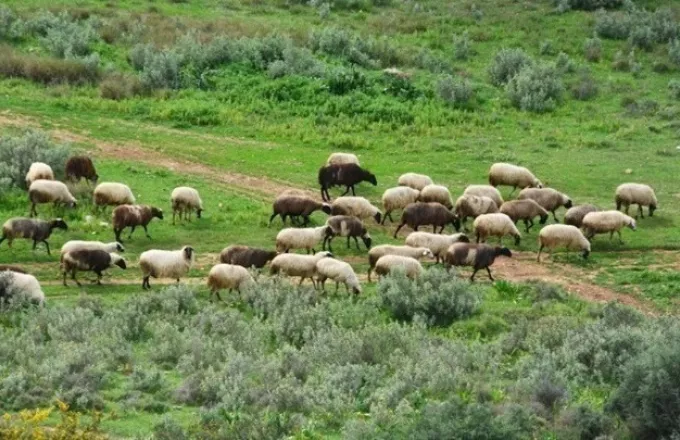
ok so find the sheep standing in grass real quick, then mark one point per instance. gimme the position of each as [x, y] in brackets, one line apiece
[131, 216]
[477, 256]
[297, 206]
[568, 236]
[342, 159]
[512, 175]
[346, 175]
[22, 285]
[37, 171]
[495, 225]
[294, 265]
[473, 206]
[228, 276]
[93, 260]
[304, 238]
[415, 181]
[112, 194]
[484, 191]
[338, 271]
[246, 256]
[49, 191]
[412, 267]
[356, 206]
[346, 226]
[165, 264]
[436, 193]
[437, 243]
[606, 221]
[185, 200]
[398, 198]
[11, 268]
[636, 194]
[377, 252]
[435, 214]
[574, 215]
[37, 230]
[73, 245]
[525, 210]
[80, 167]
[548, 198]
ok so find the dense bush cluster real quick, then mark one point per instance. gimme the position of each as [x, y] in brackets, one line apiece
[536, 88]
[456, 91]
[587, 5]
[49, 71]
[642, 28]
[506, 64]
[592, 49]
[17, 153]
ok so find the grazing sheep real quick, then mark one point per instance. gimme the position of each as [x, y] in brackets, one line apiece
[165, 264]
[356, 206]
[73, 245]
[296, 206]
[437, 243]
[346, 226]
[387, 249]
[495, 225]
[295, 265]
[636, 194]
[93, 260]
[398, 198]
[477, 256]
[343, 175]
[574, 215]
[24, 286]
[338, 271]
[512, 175]
[49, 191]
[131, 216]
[228, 276]
[415, 181]
[435, 214]
[606, 221]
[342, 158]
[473, 206]
[387, 263]
[112, 194]
[185, 200]
[11, 268]
[568, 236]
[524, 210]
[36, 230]
[246, 256]
[37, 171]
[548, 198]
[79, 167]
[484, 191]
[304, 238]
[436, 193]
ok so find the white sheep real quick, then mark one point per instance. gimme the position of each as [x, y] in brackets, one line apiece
[387, 263]
[228, 276]
[484, 191]
[378, 252]
[301, 238]
[606, 221]
[73, 245]
[512, 175]
[165, 264]
[338, 271]
[636, 194]
[295, 265]
[24, 286]
[185, 200]
[342, 158]
[473, 206]
[112, 194]
[568, 236]
[38, 170]
[397, 198]
[436, 193]
[437, 243]
[415, 180]
[548, 198]
[495, 225]
[49, 191]
[356, 206]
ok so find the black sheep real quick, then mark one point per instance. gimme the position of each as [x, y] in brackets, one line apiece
[432, 213]
[246, 256]
[478, 256]
[94, 260]
[348, 174]
[346, 226]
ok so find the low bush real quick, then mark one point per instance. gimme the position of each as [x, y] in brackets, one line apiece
[585, 88]
[48, 71]
[624, 61]
[120, 86]
[589, 5]
[17, 153]
[592, 49]
[564, 64]
[613, 26]
[535, 88]
[674, 88]
[547, 48]
[462, 46]
[642, 37]
[10, 26]
[456, 91]
[31, 424]
[66, 38]
[506, 64]
[674, 52]
[340, 80]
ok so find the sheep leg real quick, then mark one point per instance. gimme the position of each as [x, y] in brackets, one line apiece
[357, 243]
[173, 216]
[620, 239]
[441, 230]
[348, 242]
[478, 237]
[388, 213]
[555, 217]
[35, 244]
[337, 286]
[73, 277]
[47, 245]
[398, 228]
[305, 220]
[99, 278]
[370, 269]
[117, 234]
[146, 232]
[472, 278]
[538, 258]
[642, 214]
[353, 193]
[611, 235]
[145, 283]
[131, 231]
[271, 219]
[64, 281]
[3, 239]
[33, 211]
[489, 272]
[346, 191]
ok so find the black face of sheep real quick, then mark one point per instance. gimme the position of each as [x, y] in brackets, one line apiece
[198, 213]
[652, 208]
[326, 208]
[188, 252]
[517, 240]
[371, 178]
[569, 204]
[503, 252]
[59, 224]
[544, 218]
[456, 223]
[464, 239]
[367, 241]
[377, 217]
[121, 264]
[158, 213]
[95, 179]
[119, 247]
[585, 254]
[72, 205]
[355, 290]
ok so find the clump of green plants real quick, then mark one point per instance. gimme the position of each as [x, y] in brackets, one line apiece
[458, 92]
[674, 52]
[585, 88]
[462, 46]
[592, 49]
[536, 89]
[17, 153]
[506, 64]
[588, 5]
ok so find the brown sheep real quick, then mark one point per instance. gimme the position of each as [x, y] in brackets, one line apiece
[479, 256]
[525, 210]
[246, 256]
[296, 206]
[348, 175]
[574, 215]
[79, 167]
[131, 216]
[435, 214]
[36, 230]
[346, 226]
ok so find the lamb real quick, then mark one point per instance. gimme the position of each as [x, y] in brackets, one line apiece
[398, 198]
[495, 225]
[574, 215]
[346, 174]
[473, 206]
[435, 214]
[165, 264]
[338, 271]
[346, 226]
[512, 175]
[438, 244]
[606, 221]
[305, 238]
[79, 167]
[228, 276]
[415, 181]
[342, 158]
[484, 191]
[356, 206]
[36, 230]
[49, 191]
[94, 260]
[569, 236]
[386, 249]
[73, 245]
[131, 216]
[24, 286]
[38, 170]
[525, 210]
[185, 200]
[294, 265]
[11, 268]
[246, 256]
[548, 198]
[436, 193]
[636, 193]
[112, 194]
[296, 206]
[478, 256]
[387, 263]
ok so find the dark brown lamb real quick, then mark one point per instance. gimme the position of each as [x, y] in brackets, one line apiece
[297, 206]
[81, 167]
[246, 256]
[131, 216]
[478, 256]
[32, 229]
[574, 215]
[348, 174]
[435, 214]
[93, 260]
[346, 226]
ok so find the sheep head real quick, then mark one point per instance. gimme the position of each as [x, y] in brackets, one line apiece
[157, 212]
[198, 212]
[58, 223]
[502, 251]
[188, 252]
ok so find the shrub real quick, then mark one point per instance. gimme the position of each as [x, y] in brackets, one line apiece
[674, 51]
[615, 26]
[564, 64]
[623, 61]
[160, 71]
[642, 37]
[118, 86]
[592, 49]
[31, 424]
[9, 24]
[674, 88]
[585, 88]
[456, 91]
[168, 429]
[340, 80]
[590, 5]
[17, 153]
[536, 88]
[546, 48]
[506, 64]
[67, 38]
[462, 46]
[296, 61]
[48, 70]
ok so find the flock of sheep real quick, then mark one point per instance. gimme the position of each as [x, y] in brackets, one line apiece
[420, 200]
